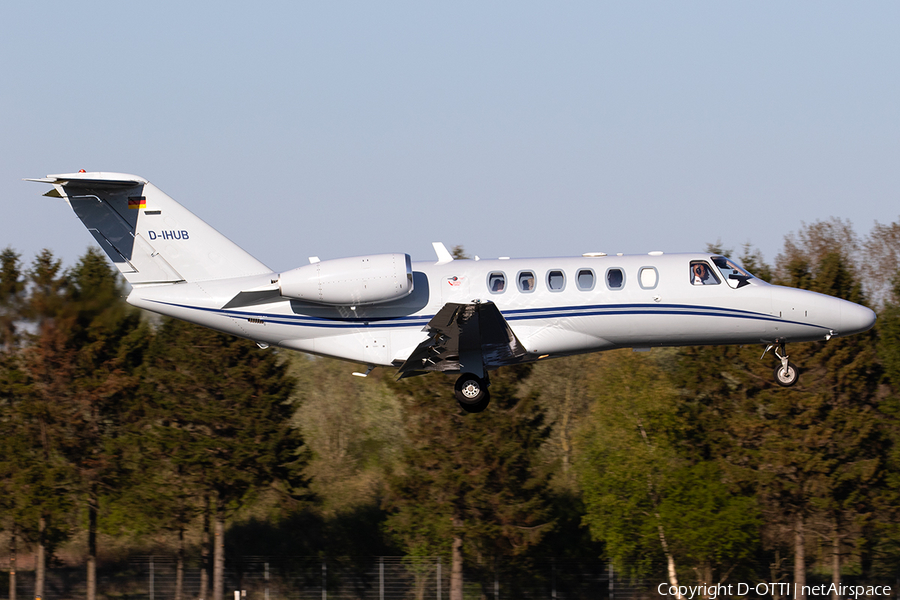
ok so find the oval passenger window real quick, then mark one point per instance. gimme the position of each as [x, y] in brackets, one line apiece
[615, 279]
[649, 277]
[585, 279]
[497, 283]
[526, 281]
[556, 281]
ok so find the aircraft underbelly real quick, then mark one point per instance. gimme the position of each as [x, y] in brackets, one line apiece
[371, 347]
[556, 339]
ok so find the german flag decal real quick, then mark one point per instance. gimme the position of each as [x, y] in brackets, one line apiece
[137, 202]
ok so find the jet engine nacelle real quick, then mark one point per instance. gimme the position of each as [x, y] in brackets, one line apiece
[350, 281]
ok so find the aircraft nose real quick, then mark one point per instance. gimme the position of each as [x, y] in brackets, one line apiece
[855, 318]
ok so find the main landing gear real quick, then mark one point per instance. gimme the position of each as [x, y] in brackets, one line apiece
[786, 374]
[472, 392]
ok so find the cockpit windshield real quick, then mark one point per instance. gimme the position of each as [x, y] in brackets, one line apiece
[734, 275]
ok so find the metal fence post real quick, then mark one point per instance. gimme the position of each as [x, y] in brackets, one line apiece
[266, 567]
[324, 581]
[612, 594]
[381, 578]
[151, 579]
[553, 578]
[439, 578]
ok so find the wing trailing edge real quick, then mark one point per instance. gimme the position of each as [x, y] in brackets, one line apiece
[465, 338]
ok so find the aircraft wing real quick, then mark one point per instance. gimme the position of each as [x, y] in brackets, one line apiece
[465, 337]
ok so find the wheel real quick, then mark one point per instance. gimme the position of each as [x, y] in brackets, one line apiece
[478, 406]
[787, 378]
[471, 393]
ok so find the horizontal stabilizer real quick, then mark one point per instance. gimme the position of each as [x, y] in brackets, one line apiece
[93, 180]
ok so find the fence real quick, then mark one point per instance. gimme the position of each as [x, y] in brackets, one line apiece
[356, 578]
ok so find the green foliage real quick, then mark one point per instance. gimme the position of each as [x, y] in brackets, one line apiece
[12, 292]
[645, 494]
[352, 428]
[219, 411]
[152, 425]
[752, 260]
[561, 388]
[888, 328]
[813, 453]
[472, 476]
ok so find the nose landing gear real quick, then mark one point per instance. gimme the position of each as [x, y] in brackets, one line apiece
[472, 392]
[786, 374]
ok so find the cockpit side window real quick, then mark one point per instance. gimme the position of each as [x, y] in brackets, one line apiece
[702, 274]
[734, 275]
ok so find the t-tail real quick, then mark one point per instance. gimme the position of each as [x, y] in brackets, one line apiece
[151, 238]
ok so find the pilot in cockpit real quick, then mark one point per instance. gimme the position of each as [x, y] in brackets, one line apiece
[701, 275]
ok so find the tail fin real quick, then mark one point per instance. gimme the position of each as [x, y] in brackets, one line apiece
[150, 237]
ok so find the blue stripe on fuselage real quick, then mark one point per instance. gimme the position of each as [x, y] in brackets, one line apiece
[510, 315]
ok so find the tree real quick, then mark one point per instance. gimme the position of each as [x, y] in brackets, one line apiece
[562, 388]
[468, 485]
[648, 494]
[882, 257]
[219, 410]
[889, 335]
[35, 474]
[833, 412]
[351, 428]
[12, 296]
[14, 456]
[12, 288]
[82, 361]
[887, 519]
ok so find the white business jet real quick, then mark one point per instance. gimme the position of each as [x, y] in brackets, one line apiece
[458, 316]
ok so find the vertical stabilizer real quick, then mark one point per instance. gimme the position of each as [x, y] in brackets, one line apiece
[151, 238]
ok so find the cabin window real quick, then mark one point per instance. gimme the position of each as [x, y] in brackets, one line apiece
[649, 277]
[702, 274]
[734, 275]
[615, 279]
[497, 282]
[525, 281]
[556, 280]
[585, 280]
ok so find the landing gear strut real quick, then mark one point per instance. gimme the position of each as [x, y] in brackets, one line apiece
[786, 374]
[472, 392]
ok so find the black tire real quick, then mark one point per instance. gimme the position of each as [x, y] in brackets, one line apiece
[478, 406]
[471, 391]
[787, 379]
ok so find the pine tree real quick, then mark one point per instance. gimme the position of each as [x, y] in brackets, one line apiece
[220, 413]
[82, 361]
[39, 475]
[812, 452]
[887, 519]
[468, 485]
[12, 296]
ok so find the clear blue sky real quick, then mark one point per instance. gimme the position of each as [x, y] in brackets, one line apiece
[513, 128]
